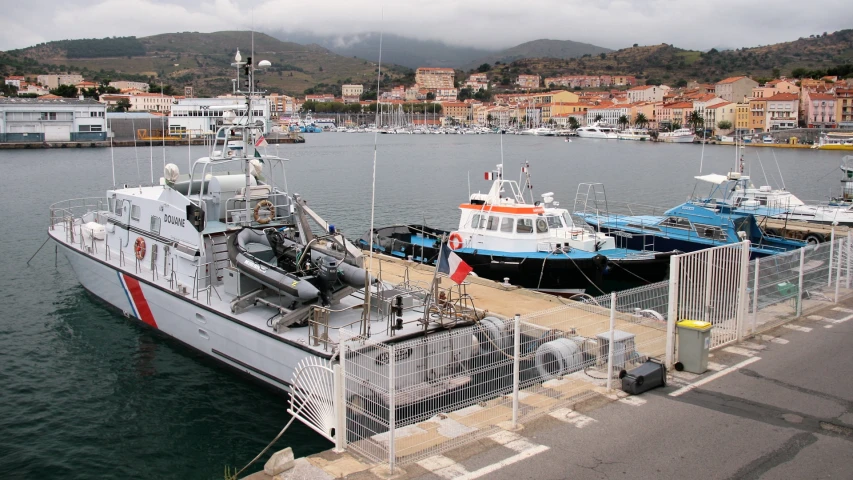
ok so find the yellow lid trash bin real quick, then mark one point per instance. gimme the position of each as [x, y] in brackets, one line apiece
[694, 344]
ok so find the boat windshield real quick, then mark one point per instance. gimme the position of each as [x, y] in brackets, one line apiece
[554, 221]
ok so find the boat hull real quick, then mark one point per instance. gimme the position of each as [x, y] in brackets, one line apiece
[555, 273]
[633, 240]
[181, 318]
[679, 139]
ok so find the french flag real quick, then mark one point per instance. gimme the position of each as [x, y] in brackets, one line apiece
[260, 141]
[454, 267]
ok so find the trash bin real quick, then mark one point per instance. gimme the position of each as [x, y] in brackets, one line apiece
[694, 343]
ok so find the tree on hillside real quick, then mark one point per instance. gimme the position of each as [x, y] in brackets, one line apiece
[641, 121]
[484, 68]
[157, 87]
[67, 91]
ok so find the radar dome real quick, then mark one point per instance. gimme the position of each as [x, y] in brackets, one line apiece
[171, 172]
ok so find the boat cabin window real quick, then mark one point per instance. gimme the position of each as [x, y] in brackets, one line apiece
[677, 222]
[761, 200]
[112, 204]
[554, 221]
[118, 205]
[155, 224]
[507, 224]
[478, 221]
[134, 212]
[524, 225]
[493, 223]
[541, 225]
[710, 231]
[568, 221]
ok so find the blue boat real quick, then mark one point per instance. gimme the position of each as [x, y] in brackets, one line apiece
[699, 223]
[534, 244]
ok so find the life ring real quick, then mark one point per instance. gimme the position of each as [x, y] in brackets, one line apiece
[139, 248]
[268, 205]
[455, 242]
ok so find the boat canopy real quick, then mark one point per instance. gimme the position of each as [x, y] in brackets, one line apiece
[714, 178]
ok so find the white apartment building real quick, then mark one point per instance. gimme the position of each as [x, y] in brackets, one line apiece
[53, 120]
[351, 93]
[435, 78]
[783, 111]
[446, 94]
[15, 81]
[53, 81]
[647, 93]
[126, 85]
[609, 115]
[528, 81]
[200, 116]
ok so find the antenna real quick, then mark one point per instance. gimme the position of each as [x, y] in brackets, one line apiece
[112, 153]
[375, 141]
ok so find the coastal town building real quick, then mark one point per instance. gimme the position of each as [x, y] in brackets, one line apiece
[15, 80]
[33, 89]
[446, 94]
[320, 98]
[203, 116]
[281, 105]
[351, 93]
[55, 120]
[735, 89]
[127, 85]
[844, 107]
[718, 113]
[140, 102]
[528, 81]
[757, 115]
[458, 111]
[609, 114]
[54, 81]
[435, 78]
[773, 87]
[819, 110]
[85, 85]
[742, 117]
[647, 93]
[702, 102]
[782, 111]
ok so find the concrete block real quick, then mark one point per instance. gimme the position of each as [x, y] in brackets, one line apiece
[280, 461]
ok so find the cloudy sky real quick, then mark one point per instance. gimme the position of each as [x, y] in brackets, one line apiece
[480, 23]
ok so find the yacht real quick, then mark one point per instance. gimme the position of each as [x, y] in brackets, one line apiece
[835, 141]
[634, 134]
[227, 262]
[532, 244]
[597, 130]
[681, 135]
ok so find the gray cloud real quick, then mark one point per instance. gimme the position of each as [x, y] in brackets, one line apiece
[479, 23]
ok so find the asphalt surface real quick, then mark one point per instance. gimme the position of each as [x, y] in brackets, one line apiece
[787, 415]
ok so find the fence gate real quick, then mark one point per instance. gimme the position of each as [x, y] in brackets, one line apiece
[315, 398]
[710, 285]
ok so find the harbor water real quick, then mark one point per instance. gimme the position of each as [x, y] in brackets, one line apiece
[88, 393]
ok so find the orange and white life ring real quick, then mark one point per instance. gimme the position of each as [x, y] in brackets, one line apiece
[455, 241]
[264, 212]
[139, 248]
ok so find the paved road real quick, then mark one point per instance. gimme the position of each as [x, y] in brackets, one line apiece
[786, 413]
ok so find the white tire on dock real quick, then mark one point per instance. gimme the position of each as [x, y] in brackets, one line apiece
[493, 335]
[558, 357]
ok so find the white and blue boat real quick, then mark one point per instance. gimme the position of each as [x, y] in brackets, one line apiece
[534, 245]
[725, 216]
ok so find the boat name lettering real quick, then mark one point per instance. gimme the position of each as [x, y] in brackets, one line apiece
[401, 354]
[619, 233]
[688, 208]
[257, 266]
[175, 220]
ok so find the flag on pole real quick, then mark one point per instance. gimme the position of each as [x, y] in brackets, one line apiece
[490, 175]
[449, 263]
[261, 141]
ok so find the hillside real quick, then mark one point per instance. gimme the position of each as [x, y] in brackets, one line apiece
[405, 51]
[667, 64]
[203, 61]
[543, 48]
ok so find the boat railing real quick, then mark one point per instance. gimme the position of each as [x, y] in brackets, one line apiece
[78, 208]
[266, 208]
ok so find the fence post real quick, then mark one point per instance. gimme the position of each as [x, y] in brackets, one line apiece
[516, 363]
[610, 346]
[392, 406]
[742, 302]
[800, 282]
[672, 309]
[831, 253]
[849, 238]
[709, 272]
[838, 270]
[340, 408]
[755, 298]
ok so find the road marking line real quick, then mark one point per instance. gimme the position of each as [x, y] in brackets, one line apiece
[503, 463]
[752, 346]
[453, 471]
[570, 416]
[798, 328]
[520, 445]
[768, 338]
[715, 366]
[633, 401]
[683, 390]
[436, 462]
[842, 309]
[816, 317]
[740, 351]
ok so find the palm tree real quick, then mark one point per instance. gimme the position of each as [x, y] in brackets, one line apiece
[524, 121]
[489, 119]
[674, 126]
[641, 121]
[574, 123]
[598, 118]
[695, 120]
[623, 121]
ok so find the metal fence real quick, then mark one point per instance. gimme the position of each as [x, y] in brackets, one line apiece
[398, 403]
